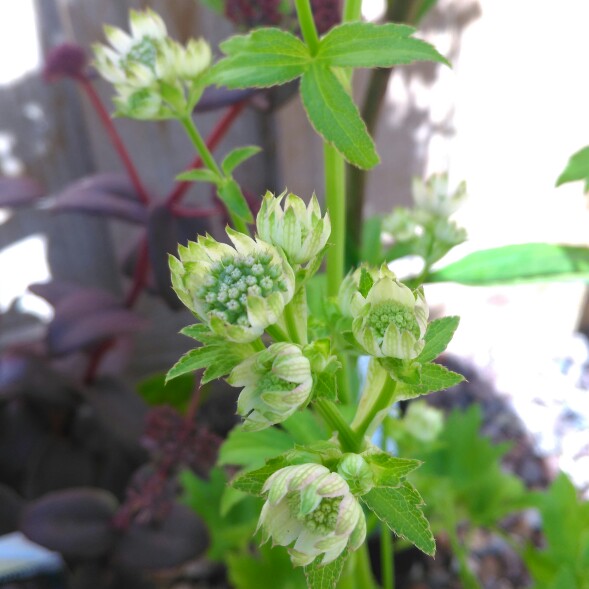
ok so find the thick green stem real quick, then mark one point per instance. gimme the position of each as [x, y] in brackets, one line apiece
[335, 196]
[383, 401]
[349, 441]
[352, 10]
[277, 333]
[307, 24]
[209, 161]
[343, 380]
[292, 324]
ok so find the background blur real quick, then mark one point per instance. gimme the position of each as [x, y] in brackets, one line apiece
[505, 119]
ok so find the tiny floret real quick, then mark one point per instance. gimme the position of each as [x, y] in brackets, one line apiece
[312, 511]
[276, 381]
[389, 319]
[218, 283]
[299, 230]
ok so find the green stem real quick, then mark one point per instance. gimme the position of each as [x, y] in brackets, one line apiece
[383, 401]
[335, 196]
[292, 326]
[387, 558]
[343, 380]
[258, 345]
[209, 161]
[363, 571]
[277, 333]
[350, 442]
[352, 10]
[468, 578]
[307, 24]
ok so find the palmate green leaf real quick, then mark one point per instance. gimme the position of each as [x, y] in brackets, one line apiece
[400, 509]
[511, 264]
[325, 576]
[390, 471]
[237, 156]
[434, 377]
[437, 337]
[230, 193]
[252, 482]
[577, 169]
[335, 117]
[266, 57]
[368, 45]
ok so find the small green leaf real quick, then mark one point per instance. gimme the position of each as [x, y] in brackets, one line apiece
[191, 361]
[402, 371]
[177, 393]
[266, 57]
[366, 283]
[437, 337]
[230, 193]
[218, 359]
[252, 482]
[325, 576]
[200, 332]
[335, 117]
[400, 509]
[434, 377]
[237, 156]
[510, 264]
[577, 169]
[390, 471]
[361, 44]
[252, 449]
[199, 175]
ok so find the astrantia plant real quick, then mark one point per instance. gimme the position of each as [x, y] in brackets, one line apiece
[251, 298]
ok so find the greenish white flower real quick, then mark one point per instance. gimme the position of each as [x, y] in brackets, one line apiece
[389, 319]
[423, 421]
[276, 381]
[433, 197]
[311, 510]
[146, 65]
[299, 230]
[238, 291]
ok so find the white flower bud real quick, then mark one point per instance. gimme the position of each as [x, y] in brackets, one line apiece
[311, 510]
[300, 231]
[276, 381]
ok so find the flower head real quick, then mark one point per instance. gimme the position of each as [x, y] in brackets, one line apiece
[313, 507]
[432, 196]
[390, 319]
[300, 231]
[238, 291]
[276, 381]
[143, 62]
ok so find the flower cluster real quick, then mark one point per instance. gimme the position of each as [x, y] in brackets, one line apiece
[150, 71]
[390, 320]
[238, 291]
[312, 507]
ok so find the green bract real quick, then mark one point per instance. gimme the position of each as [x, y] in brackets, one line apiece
[313, 507]
[237, 291]
[300, 231]
[276, 381]
[390, 320]
[148, 68]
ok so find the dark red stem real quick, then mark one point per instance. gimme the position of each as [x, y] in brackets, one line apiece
[139, 274]
[115, 138]
[213, 140]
